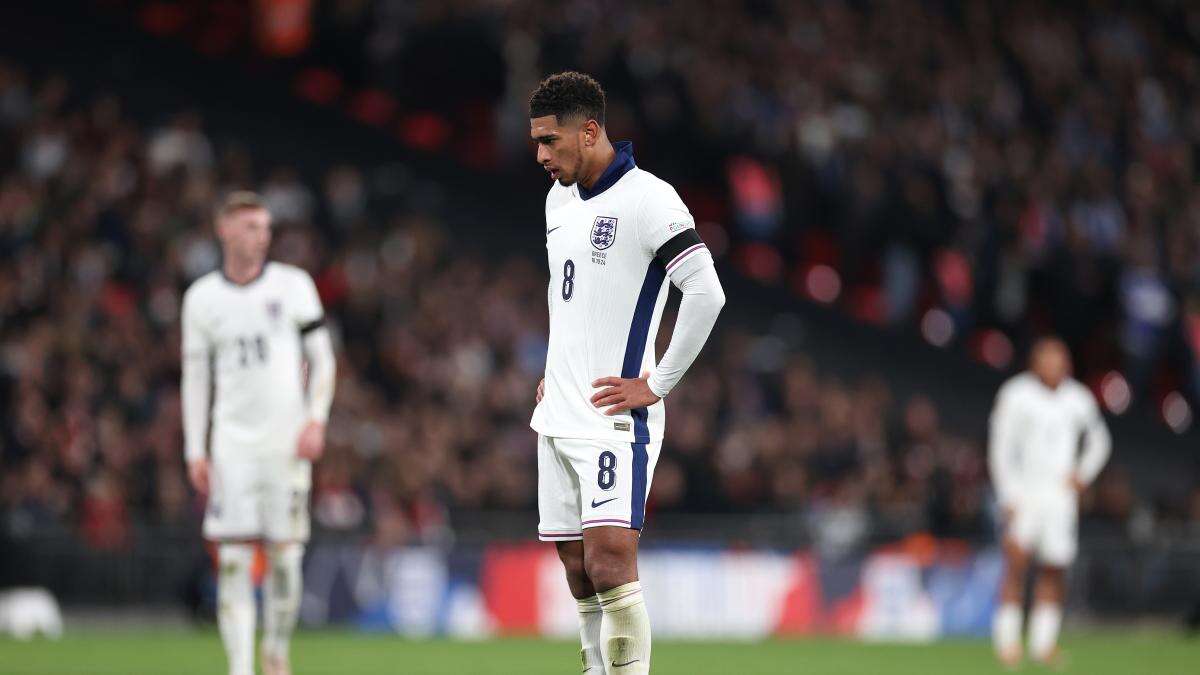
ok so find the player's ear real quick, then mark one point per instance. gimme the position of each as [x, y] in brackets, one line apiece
[591, 133]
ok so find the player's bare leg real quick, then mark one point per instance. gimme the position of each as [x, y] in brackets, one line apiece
[610, 561]
[590, 614]
[1006, 624]
[235, 605]
[1046, 618]
[281, 605]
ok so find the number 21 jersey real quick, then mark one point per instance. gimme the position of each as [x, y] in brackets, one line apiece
[253, 333]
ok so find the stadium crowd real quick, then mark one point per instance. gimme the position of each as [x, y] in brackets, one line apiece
[104, 221]
[1017, 166]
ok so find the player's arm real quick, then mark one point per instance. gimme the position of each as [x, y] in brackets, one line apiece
[1003, 446]
[666, 228]
[195, 390]
[690, 267]
[1097, 445]
[322, 369]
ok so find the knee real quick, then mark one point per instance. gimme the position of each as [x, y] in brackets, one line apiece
[286, 555]
[609, 567]
[234, 565]
[572, 560]
[1052, 583]
[1013, 584]
[1015, 562]
[1015, 571]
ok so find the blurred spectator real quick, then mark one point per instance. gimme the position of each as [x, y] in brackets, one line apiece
[1015, 165]
[1029, 162]
[90, 339]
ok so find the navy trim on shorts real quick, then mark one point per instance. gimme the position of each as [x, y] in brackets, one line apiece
[637, 511]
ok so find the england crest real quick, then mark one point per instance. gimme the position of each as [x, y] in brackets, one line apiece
[604, 232]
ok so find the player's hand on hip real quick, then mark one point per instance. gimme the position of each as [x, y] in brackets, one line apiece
[623, 393]
[541, 391]
[312, 441]
[198, 474]
[1076, 485]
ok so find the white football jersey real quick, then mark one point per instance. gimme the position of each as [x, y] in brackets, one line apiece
[611, 250]
[1041, 437]
[253, 332]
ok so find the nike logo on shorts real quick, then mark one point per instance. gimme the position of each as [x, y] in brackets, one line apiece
[622, 665]
[598, 505]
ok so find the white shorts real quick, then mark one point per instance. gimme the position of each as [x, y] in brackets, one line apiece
[1046, 527]
[258, 498]
[585, 483]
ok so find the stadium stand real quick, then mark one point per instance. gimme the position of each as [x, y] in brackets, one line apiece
[914, 191]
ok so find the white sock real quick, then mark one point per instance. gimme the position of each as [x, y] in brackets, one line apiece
[235, 605]
[281, 598]
[625, 630]
[1044, 622]
[1006, 629]
[590, 618]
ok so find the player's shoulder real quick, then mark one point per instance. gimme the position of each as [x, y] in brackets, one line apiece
[650, 193]
[287, 273]
[283, 269]
[1017, 384]
[204, 286]
[649, 185]
[1079, 390]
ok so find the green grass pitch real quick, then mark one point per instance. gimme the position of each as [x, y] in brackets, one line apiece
[183, 653]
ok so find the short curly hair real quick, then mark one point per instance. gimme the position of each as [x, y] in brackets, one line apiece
[568, 94]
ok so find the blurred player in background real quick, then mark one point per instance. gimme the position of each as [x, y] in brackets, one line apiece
[1040, 420]
[614, 235]
[248, 328]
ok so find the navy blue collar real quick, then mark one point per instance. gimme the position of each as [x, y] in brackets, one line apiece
[620, 166]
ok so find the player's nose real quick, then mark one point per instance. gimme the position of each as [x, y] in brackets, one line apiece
[543, 155]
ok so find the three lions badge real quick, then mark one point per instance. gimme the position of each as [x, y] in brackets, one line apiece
[604, 232]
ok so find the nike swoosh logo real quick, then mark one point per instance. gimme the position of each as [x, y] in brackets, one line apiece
[551, 230]
[622, 665]
[595, 505]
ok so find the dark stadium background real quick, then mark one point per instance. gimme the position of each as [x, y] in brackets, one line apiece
[892, 231]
